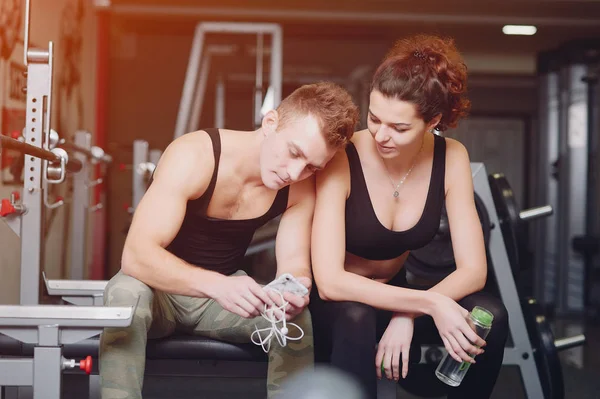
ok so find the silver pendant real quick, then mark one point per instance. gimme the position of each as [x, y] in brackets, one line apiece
[396, 194]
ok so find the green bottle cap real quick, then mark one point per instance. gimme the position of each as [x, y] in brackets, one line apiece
[482, 316]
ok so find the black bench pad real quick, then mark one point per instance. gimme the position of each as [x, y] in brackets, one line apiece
[177, 346]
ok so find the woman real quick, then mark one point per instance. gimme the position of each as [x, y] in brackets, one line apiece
[383, 197]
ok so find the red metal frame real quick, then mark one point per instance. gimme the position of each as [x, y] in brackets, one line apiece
[98, 269]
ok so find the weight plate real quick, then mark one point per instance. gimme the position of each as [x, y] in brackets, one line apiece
[437, 257]
[544, 351]
[510, 221]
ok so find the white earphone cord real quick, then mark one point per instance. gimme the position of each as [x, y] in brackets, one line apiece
[281, 334]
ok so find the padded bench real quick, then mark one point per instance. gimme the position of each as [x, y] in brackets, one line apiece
[175, 347]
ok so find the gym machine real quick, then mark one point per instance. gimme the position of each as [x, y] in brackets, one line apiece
[89, 156]
[144, 163]
[566, 246]
[32, 336]
[194, 86]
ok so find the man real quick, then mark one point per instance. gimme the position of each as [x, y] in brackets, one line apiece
[211, 190]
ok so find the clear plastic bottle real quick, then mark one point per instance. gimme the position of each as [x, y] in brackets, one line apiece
[449, 370]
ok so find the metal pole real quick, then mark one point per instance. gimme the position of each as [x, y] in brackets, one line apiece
[39, 76]
[196, 111]
[276, 64]
[140, 156]
[220, 103]
[28, 149]
[191, 77]
[154, 156]
[79, 208]
[258, 82]
[591, 79]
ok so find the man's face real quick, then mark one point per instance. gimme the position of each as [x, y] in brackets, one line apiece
[293, 152]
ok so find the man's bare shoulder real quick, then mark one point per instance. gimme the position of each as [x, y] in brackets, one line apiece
[302, 191]
[187, 162]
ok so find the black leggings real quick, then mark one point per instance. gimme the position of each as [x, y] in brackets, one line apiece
[346, 334]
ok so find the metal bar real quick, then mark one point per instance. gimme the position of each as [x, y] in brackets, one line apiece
[25, 317]
[140, 156]
[191, 76]
[16, 372]
[154, 157]
[570, 342]
[258, 81]
[47, 373]
[75, 287]
[94, 386]
[74, 148]
[276, 64]
[100, 156]
[573, 171]
[27, 149]
[220, 103]
[238, 27]
[535, 213]
[32, 221]
[338, 16]
[26, 34]
[79, 207]
[196, 111]
[591, 204]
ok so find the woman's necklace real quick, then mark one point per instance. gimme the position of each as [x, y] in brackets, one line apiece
[397, 186]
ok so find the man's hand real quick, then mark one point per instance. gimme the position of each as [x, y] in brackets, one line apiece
[395, 343]
[296, 303]
[241, 295]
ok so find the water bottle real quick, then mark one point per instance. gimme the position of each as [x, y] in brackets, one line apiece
[449, 370]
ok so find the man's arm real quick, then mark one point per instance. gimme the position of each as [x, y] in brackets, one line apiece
[292, 245]
[465, 228]
[183, 173]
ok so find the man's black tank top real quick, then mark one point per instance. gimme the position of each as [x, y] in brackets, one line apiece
[218, 244]
[367, 237]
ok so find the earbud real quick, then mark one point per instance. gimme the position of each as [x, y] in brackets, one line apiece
[281, 334]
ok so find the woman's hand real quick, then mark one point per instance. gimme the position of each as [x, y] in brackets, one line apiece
[395, 343]
[459, 338]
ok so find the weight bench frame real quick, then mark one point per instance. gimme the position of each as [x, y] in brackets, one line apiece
[49, 327]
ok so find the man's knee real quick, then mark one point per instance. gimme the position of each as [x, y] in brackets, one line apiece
[124, 290]
[304, 321]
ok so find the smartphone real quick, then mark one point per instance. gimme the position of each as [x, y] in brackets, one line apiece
[288, 283]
